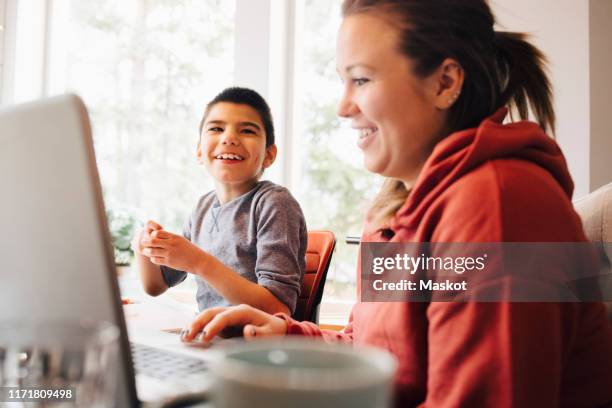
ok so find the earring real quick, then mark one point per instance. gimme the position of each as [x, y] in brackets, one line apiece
[453, 98]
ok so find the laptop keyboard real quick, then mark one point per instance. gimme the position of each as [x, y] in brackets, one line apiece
[162, 364]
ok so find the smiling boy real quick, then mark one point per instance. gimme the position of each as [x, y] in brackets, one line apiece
[245, 242]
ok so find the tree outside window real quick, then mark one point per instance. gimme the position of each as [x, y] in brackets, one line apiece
[145, 68]
[335, 188]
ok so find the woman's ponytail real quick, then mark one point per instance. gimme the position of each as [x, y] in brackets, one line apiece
[525, 85]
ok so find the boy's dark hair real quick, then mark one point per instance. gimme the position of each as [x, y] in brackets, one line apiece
[245, 96]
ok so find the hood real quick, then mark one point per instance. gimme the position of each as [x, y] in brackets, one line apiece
[463, 151]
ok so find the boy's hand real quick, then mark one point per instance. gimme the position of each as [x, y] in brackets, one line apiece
[174, 251]
[144, 233]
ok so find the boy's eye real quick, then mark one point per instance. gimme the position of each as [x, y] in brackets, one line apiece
[250, 131]
[215, 129]
[360, 81]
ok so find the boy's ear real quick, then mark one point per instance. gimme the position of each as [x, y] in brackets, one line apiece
[199, 154]
[270, 156]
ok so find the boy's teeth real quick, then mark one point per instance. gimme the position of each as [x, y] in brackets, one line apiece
[229, 156]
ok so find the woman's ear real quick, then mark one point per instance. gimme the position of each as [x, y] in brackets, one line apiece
[270, 156]
[449, 77]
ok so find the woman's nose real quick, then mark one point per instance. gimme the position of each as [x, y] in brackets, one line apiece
[346, 107]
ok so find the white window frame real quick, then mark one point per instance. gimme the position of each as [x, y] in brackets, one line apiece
[27, 41]
[265, 59]
[8, 11]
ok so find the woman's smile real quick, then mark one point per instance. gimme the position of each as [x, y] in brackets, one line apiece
[366, 136]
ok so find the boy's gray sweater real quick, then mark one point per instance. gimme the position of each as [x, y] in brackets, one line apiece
[261, 235]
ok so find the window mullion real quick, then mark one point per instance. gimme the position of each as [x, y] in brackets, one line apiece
[8, 18]
[251, 47]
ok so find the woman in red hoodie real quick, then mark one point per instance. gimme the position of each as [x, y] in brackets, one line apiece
[427, 85]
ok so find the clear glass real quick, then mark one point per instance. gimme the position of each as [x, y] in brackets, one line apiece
[335, 189]
[76, 356]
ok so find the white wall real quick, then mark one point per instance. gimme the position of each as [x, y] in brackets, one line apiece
[600, 16]
[573, 34]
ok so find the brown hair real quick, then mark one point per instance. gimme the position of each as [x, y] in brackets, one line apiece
[501, 68]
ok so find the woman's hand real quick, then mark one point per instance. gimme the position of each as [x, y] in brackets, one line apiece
[254, 323]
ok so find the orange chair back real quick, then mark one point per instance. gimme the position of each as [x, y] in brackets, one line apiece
[318, 258]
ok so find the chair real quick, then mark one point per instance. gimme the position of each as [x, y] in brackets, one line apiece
[596, 212]
[319, 251]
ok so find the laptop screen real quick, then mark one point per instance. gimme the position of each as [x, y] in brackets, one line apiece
[55, 247]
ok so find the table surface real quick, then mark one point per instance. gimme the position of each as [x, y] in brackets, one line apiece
[170, 311]
[163, 312]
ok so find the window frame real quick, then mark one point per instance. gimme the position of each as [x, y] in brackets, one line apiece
[8, 10]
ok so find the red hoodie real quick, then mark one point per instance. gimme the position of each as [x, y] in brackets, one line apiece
[495, 183]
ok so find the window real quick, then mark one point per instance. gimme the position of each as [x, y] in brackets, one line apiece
[145, 68]
[334, 188]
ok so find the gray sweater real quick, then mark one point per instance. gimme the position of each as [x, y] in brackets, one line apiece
[261, 235]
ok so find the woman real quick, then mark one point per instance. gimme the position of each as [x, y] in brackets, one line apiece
[426, 84]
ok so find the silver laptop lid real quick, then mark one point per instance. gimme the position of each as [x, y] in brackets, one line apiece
[57, 260]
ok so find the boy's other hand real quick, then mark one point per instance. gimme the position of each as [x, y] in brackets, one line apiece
[143, 234]
[175, 251]
[152, 226]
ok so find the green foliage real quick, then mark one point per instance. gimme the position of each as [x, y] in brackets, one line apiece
[122, 224]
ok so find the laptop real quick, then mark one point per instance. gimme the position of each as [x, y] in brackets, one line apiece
[57, 259]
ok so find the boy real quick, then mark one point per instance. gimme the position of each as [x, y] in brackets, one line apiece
[246, 240]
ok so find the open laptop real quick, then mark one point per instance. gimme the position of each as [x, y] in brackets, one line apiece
[57, 259]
